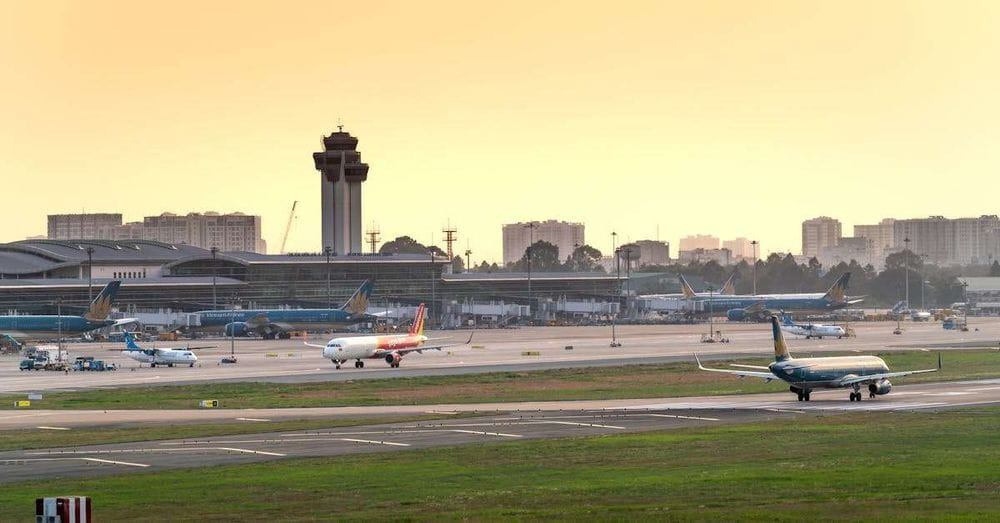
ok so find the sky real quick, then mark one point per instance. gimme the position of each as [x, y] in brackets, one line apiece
[669, 118]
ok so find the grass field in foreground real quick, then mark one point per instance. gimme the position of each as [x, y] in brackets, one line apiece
[41, 438]
[874, 466]
[629, 381]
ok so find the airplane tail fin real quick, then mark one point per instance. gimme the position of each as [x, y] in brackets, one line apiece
[417, 329]
[780, 349]
[838, 291]
[730, 286]
[686, 287]
[100, 308]
[130, 343]
[898, 308]
[786, 319]
[358, 302]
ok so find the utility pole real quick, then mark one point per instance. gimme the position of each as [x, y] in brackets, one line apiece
[90, 274]
[433, 291]
[450, 236]
[754, 243]
[215, 303]
[906, 270]
[531, 242]
[329, 299]
[373, 237]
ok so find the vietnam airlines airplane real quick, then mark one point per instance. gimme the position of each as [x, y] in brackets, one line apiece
[834, 372]
[811, 330]
[154, 357]
[390, 348]
[276, 323]
[49, 327]
[761, 306]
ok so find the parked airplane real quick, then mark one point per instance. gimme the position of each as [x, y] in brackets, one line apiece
[154, 357]
[390, 348]
[761, 306]
[805, 374]
[811, 330]
[276, 323]
[49, 327]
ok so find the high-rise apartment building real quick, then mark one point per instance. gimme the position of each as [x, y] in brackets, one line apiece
[517, 236]
[741, 248]
[227, 232]
[882, 239]
[944, 241]
[652, 252]
[819, 233]
[698, 241]
[94, 226]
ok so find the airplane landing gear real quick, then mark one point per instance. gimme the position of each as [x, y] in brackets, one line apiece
[804, 395]
[336, 363]
[856, 395]
[359, 364]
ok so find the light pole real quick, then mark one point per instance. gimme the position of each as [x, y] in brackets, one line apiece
[232, 332]
[922, 282]
[531, 241]
[215, 251]
[90, 274]
[628, 274]
[329, 301]
[433, 290]
[711, 317]
[906, 270]
[754, 244]
[965, 297]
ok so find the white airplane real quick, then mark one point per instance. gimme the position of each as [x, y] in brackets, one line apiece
[154, 357]
[390, 348]
[811, 330]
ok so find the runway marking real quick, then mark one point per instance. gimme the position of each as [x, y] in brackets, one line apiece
[135, 451]
[252, 419]
[487, 433]
[983, 389]
[126, 463]
[950, 393]
[97, 460]
[582, 424]
[376, 442]
[681, 417]
[51, 428]
[787, 410]
[248, 451]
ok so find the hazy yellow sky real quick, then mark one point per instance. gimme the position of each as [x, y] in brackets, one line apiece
[722, 117]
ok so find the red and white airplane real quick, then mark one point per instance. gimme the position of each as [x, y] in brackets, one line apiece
[390, 348]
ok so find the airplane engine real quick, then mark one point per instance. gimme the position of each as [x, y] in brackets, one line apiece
[393, 359]
[237, 328]
[736, 314]
[882, 387]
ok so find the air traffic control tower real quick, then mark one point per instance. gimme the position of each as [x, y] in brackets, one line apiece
[341, 175]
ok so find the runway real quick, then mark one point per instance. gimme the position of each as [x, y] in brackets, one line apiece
[925, 396]
[535, 348]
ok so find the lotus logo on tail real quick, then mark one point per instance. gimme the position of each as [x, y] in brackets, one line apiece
[838, 291]
[101, 307]
[358, 302]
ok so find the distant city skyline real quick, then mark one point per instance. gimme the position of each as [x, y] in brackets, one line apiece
[737, 119]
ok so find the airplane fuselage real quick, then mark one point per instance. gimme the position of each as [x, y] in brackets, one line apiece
[814, 302]
[815, 331]
[825, 373]
[363, 347]
[163, 356]
[292, 319]
[48, 327]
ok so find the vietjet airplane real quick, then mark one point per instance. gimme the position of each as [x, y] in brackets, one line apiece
[154, 357]
[390, 348]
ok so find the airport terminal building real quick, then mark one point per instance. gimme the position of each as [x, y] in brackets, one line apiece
[39, 276]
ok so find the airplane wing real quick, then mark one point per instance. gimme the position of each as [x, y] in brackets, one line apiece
[383, 353]
[749, 366]
[766, 376]
[314, 345]
[756, 307]
[872, 378]
[125, 321]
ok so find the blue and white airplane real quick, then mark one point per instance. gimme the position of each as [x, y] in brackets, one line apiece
[803, 375]
[22, 328]
[154, 357]
[810, 330]
[761, 306]
[276, 323]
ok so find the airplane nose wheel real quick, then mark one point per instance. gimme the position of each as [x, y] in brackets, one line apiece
[336, 364]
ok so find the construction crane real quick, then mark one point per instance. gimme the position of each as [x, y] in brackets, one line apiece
[288, 226]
